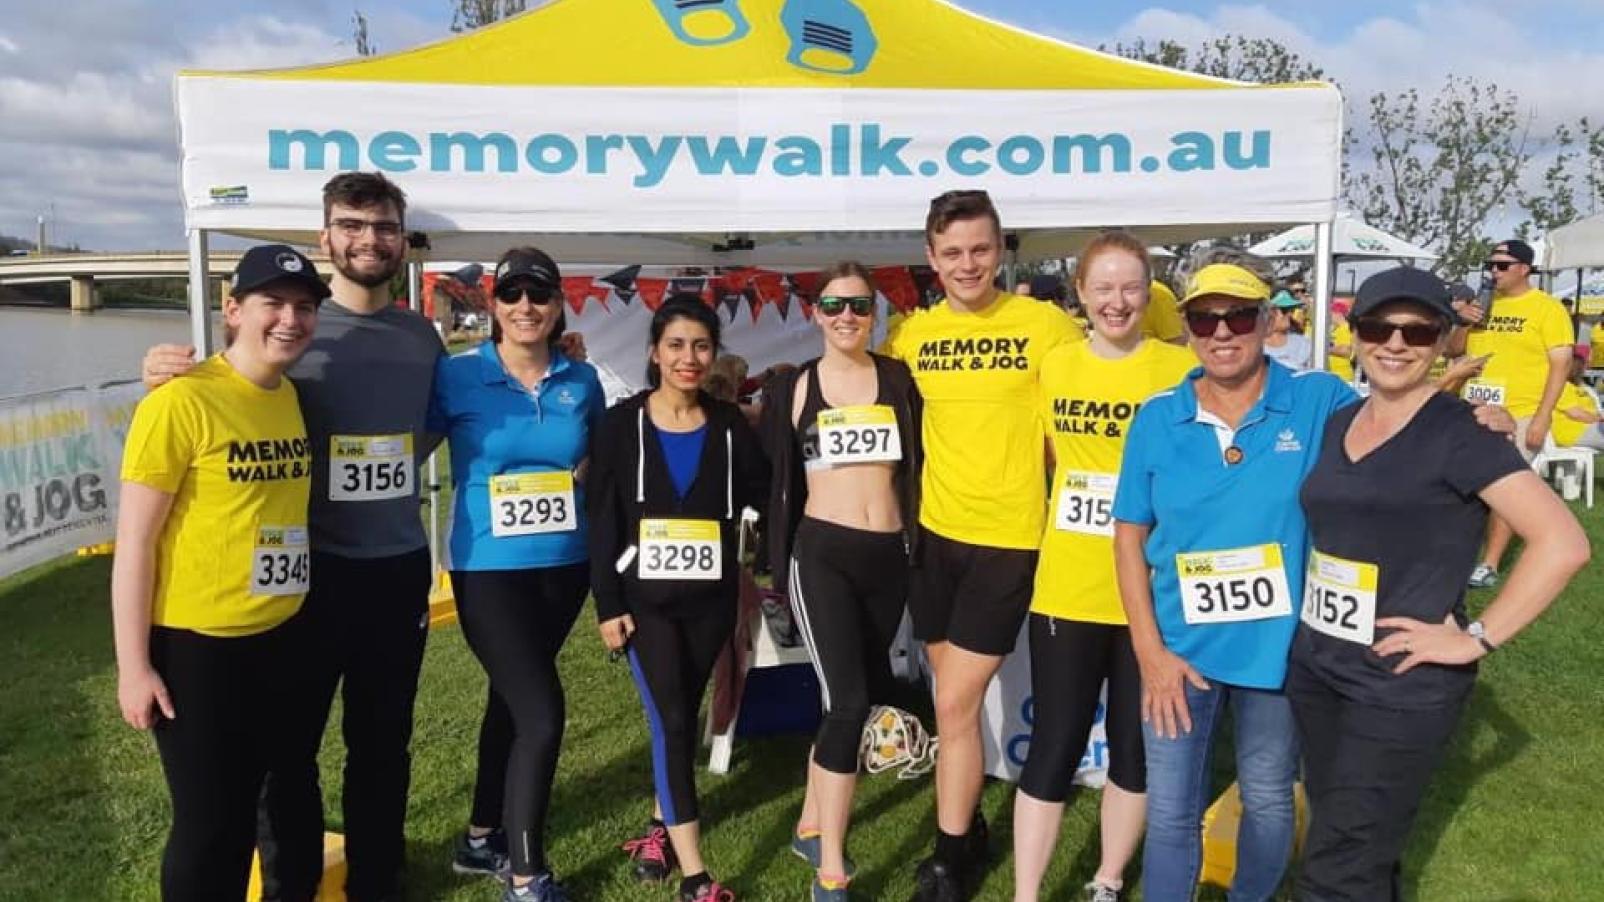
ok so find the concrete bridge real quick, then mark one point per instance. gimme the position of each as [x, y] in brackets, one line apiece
[84, 270]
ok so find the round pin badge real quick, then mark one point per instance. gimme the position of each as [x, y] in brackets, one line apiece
[1233, 455]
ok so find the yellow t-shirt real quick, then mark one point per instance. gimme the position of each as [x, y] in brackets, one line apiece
[233, 556]
[1341, 334]
[984, 473]
[1088, 402]
[1564, 429]
[1162, 319]
[1595, 357]
[1519, 332]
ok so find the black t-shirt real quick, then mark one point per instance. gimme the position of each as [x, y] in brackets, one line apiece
[1410, 509]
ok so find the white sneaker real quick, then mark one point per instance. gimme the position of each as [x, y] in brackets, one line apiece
[1483, 577]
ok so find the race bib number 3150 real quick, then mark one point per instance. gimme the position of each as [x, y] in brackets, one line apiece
[1233, 585]
[1339, 598]
[859, 435]
[680, 549]
[527, 504]
[281, 562]
[370, 467]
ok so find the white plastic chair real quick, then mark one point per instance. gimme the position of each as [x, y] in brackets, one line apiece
[1565, 467]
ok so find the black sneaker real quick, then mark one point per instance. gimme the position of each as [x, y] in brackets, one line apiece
[977, 841]
[486, 855]
[937, 881]
[653, 854]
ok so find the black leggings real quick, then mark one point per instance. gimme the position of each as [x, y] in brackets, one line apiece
[234, 699]
[671, 657]
[516, 621]
[848, 589]
[1069, 659]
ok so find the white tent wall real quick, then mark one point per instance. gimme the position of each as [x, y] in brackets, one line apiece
[1575, 246]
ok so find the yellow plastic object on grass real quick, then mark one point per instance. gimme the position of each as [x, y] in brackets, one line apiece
[442, 603]
[96, 550]
[332, 887]
[1220, 824]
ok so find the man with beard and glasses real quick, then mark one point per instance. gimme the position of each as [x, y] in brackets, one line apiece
[364, 386]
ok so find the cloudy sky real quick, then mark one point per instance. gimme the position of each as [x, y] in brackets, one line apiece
[87, 131]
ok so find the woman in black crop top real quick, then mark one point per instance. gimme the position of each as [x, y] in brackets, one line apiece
[843, 432]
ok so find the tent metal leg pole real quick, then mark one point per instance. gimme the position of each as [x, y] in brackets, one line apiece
[1323, 274]
[200, 302]
[415, 301]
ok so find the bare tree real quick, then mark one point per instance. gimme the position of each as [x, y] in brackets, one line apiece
[359, 34]
[467, 15]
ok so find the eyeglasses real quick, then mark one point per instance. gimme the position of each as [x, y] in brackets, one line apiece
[353, 228]
[1498, 265]
[1240, 320]
[537, 294]
[862, 305]
[1379, 331]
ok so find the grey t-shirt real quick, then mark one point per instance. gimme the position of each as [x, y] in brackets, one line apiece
[363, 377]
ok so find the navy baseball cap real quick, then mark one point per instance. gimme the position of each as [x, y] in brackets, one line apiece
[528, 264]
[1403, 283]
[268, 263]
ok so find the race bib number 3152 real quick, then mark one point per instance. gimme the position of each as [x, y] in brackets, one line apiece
[370, 467]
[859, 435]
[281, 562]
[1086, 503]
[1339, 598]
[527, 504]
[1233, 585]
[680, 549]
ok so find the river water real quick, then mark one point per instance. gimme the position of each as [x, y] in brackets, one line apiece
[51, 348]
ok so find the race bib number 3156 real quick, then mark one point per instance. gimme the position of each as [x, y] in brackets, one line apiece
[680, 549]
[1339, 598]
[527, 504]
[370, 467]
[859, 435]
[281, 562]
[1233, 585]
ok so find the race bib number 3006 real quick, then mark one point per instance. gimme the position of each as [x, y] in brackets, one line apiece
[859, 435]
[1233, 585]
[527, 504]
[281, 562]
[370, 467]
[1481, 391]
[680, 549]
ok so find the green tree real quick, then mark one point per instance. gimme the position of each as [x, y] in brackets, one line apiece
[1573, 182]
[1233, 56]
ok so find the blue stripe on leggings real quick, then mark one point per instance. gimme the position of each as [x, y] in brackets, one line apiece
[654, 724]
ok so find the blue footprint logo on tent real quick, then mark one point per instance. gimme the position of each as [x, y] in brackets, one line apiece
[831, 36]
[704, 23]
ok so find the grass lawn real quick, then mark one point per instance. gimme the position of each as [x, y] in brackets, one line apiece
[1514, 813]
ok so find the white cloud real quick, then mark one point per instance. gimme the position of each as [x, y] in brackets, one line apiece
[8, 46]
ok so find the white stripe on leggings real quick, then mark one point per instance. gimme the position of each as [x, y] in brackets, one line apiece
[799, 611]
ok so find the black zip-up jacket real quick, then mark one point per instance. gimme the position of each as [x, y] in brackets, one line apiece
[789, 493]
[629, 481]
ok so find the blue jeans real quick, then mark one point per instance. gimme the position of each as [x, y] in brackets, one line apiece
[1178, 792]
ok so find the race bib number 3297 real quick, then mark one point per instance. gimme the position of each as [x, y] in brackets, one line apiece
[859, 435]
[370, 467]
[1233, 584]
[281, 562]
[527, 504]
[680, 549]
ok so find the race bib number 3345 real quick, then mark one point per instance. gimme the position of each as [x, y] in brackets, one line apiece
[680, 549]
[858, 435]
[1233, 584]
[370, 467]
[527, 504]
[281, 562]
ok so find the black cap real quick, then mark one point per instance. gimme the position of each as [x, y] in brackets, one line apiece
[530, 264]
[1403, 283]
[1518, 249]
[1459, 291]
[1046, 287]
[268, 263]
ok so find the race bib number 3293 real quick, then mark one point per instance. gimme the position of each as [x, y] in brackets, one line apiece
[370, 467]
[281, 562]
[859, 435]
[527, 504]
[1233, 584]
[680, 549]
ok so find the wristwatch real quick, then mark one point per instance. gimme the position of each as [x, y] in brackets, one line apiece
[1479, 633]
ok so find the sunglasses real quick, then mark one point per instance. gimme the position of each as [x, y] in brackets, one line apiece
[1379, 331]
[1240, 320]
[537, 294]
[1498, 265]
[862, 305]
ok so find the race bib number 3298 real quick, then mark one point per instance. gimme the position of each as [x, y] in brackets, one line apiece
[680, 549]
[527, 504]
[281, 562]
[370, 467]
[1233, 584]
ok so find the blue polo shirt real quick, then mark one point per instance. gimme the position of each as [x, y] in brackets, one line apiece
[497, 427]
[1175, 479]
